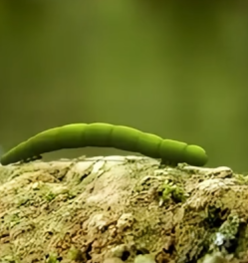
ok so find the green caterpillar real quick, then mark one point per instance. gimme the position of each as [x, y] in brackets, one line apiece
[106, 135]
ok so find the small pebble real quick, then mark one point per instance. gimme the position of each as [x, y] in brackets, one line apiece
[147, 258]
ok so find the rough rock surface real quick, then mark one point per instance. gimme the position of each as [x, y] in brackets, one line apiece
[121, 209]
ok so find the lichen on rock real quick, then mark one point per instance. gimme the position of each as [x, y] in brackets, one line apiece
[121, 209]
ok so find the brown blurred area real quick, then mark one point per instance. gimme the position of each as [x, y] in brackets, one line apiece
[175, 69]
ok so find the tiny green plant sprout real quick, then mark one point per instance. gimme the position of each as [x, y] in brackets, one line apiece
[105, 135]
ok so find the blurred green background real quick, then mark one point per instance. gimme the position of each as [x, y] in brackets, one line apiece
[174, 68]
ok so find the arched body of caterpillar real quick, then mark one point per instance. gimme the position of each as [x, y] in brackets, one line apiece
[106, 135]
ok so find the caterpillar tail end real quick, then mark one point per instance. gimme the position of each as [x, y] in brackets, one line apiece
[195, 155]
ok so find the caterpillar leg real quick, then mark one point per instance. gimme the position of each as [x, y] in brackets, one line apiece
[32, 159]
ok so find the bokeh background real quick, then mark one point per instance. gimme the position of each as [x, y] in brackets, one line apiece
[175, 68]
